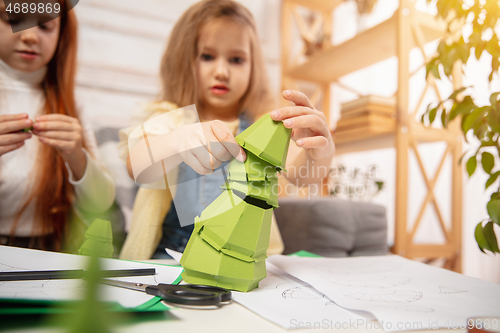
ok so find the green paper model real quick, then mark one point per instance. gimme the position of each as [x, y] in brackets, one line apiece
[231, 236]
[98, 240]
[242, 231]
[253, 169]
[205, 265]
[263, 190]
[268, 139]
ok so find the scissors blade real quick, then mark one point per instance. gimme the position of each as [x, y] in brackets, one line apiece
[127, 285]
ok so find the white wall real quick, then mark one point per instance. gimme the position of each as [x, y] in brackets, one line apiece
[121, 42]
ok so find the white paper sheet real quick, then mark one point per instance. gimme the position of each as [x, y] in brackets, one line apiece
[402, 294]
[18, 259]
[291, 303]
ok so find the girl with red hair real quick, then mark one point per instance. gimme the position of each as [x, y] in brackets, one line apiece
[49, 179]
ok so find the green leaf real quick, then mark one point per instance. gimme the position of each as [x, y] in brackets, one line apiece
[489, 235]
[453, 96]
[493, 207]
[488, 162]
[432, 115]
[492, 179]
[480, 239]
[494, 98]
[428, 67]
[472, 119]
[479, 49]
[471, 165]
[444, 121]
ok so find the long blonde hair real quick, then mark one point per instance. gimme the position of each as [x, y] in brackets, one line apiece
[178, 65]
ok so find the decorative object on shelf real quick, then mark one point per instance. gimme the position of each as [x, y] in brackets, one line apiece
[355, 183]
[366, 116]
[482, 122]
[364, 7]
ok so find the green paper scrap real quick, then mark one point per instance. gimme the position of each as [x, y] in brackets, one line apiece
[100, 230]
[241, 231]
[268, 139]
[205, 265]
[253, 169]
[94, 247]
[98, 240]
[263, 190]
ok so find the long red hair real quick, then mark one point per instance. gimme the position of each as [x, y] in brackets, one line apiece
[52, 191]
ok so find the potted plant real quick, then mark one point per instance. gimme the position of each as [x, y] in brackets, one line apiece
[482, 121]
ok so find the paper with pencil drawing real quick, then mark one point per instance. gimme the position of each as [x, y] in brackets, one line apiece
[291, 303]
[402, 294]
[17, 259]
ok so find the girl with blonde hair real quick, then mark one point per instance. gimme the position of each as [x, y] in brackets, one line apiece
[213, 60]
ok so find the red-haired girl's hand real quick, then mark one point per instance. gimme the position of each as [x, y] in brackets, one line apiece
[309, 126]
[65, 135]
[11, 137]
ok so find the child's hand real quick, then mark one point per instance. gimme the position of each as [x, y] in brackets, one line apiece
[191, 141]
[309, 126]
[10, 136]
[64, 134]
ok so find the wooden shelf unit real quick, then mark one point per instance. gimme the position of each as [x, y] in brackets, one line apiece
[396, 37]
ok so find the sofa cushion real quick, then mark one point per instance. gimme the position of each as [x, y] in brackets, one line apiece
[332, 227]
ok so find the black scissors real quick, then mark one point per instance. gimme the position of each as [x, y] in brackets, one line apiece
[182, 294]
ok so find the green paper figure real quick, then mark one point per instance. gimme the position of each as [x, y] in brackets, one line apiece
[268, 139]
[231, 236]
[98, 240]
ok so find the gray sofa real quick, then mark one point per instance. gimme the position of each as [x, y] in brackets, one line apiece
[332, 227]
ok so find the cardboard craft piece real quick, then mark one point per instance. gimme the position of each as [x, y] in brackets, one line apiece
[253, 169]
[263, 190]
[268, 139]
[242, 230]
[98, 240]
[203, 264]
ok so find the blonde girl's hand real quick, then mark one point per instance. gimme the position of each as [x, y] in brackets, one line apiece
[309, 126]
[11, 135]
[204, 146]
[65, 135]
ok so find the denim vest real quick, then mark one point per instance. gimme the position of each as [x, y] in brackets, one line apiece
[196, 193]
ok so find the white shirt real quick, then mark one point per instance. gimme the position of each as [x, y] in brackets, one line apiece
[21, 92]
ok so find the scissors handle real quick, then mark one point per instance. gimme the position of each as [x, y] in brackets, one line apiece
[190, 294]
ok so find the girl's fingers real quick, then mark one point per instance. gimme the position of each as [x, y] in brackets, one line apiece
[9, 126]
[191, 160]
[13, 139]
[56, 117]
[9, 117]
[9, 148]
[56, 125]
[313, 123]
[294, 111]
[313, 142]
[226, 138]
[65, 136]
[297, 97]
[63, 146]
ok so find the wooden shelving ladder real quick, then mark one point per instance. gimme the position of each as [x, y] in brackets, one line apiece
[405, 30]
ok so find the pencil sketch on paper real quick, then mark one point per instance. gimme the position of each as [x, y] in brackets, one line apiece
[397, 296]
[302, 293]
[272, 281]
[451, 290]
[355, 268]
[383, 282]
[409, 308]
